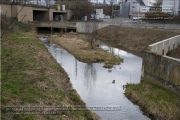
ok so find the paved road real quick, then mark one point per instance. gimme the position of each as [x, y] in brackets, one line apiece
[130, 23]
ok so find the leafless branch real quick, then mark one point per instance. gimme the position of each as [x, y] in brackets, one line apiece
[12, 21]
[91, 31]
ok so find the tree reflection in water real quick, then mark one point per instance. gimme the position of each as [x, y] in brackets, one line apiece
[89, 75]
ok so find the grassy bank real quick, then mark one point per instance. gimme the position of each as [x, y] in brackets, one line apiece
[81, 50]
[31, 77]
[135, 39]
[157, 102]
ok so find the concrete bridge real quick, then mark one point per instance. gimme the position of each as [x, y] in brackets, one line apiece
[66, 26]
[27, 13]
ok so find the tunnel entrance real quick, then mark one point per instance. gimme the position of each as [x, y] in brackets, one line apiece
[43, 30]
[40, 15]
[48, 30]
[71, 30]
[59, 16]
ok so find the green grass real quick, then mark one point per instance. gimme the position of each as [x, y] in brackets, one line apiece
[114, 61]
[31, 77]
[155, 100]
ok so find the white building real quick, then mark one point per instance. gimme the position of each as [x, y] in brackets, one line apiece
[135, 6]
[143, 6]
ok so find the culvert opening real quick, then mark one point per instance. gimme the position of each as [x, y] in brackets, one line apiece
[71, 30]
[44, 30]
[48, 30]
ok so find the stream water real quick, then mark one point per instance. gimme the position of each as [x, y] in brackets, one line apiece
[94, 83]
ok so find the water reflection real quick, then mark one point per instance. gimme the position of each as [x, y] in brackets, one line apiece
[76, 69]
[94, 83]
[89, 75]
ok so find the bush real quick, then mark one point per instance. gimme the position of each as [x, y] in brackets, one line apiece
[177, 19]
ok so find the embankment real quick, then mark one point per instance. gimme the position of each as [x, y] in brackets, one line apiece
[156, 100]
[32, 79]
[133, 39]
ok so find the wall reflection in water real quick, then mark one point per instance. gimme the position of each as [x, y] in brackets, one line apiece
[89, 75]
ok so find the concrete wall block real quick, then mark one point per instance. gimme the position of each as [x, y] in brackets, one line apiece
[81, 26]
[162, 67]
[6, 9]
[164, 46]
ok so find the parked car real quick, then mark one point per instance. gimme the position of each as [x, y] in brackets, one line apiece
[137, 19]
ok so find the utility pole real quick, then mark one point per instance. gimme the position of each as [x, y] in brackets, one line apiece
[174, 7]
[112, 8]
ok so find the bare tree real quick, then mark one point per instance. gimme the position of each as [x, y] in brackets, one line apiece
[10, 25]
[158, 3]
[47, 2]
[91, 32]
[81, 8]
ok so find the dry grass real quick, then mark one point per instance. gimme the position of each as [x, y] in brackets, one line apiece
[82, 51]
[136, 39]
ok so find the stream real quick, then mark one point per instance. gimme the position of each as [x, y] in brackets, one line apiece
[94, 84]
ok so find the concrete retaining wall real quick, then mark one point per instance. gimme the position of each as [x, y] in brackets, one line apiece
[83, 27]
[6, 9]
[162, 47]
[162, 68]
[25, 15]
[12, 10]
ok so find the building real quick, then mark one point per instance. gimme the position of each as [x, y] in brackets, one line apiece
[130, 7]
[140, 7]
[35, 13]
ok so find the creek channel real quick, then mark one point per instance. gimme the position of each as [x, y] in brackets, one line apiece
[94, 84]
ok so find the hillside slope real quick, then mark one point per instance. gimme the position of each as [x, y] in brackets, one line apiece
[135, 39]
[31, 77]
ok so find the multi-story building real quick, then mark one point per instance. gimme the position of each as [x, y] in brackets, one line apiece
[131, 7]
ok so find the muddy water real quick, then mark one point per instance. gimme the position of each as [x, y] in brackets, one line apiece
[94, 83]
